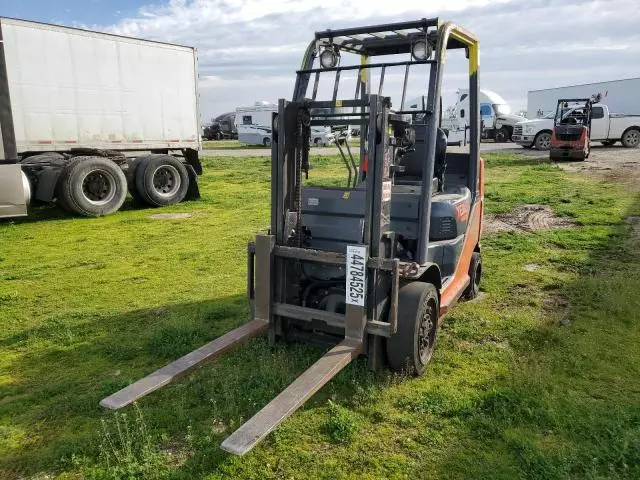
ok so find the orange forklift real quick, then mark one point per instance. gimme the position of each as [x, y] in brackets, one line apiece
[571, 136]
[371, 266]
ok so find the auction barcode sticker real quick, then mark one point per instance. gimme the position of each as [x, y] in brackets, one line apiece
[356, 274]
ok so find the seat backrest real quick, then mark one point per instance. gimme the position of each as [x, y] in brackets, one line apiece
[413, 161]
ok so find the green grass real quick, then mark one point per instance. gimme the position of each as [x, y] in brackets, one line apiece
[89, 305]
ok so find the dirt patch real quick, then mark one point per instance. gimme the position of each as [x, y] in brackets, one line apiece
[531, 267]
[615, 164]
[529, 218]
[170, 216]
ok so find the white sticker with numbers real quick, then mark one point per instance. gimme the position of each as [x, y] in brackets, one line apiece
[386, 191]
[356, 274]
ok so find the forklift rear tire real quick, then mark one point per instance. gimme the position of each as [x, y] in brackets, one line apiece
[410, 348]
[475, 275]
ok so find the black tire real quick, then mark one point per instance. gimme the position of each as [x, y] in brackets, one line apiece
[266, 142]
[131, 180]
[542, 141]
[608, 143]
[316, 142]
[91, 186]
[631, 138]
[475, 275]
[502, 135]
[410, 349]
[161, 180]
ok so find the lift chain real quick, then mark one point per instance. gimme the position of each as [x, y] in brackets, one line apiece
[409, 269]
[303, 135]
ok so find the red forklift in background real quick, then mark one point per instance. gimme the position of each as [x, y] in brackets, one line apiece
[571, 136]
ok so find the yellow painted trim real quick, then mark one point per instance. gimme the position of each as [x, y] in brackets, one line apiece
[363, 73]
[472, 44]
[474, 59]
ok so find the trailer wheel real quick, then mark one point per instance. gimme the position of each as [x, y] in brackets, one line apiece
[475, 275]
[502, 135]
[410, 349]
[161, 180]
[92, 186]
[542, 141]
[131, 180]
[631, 138]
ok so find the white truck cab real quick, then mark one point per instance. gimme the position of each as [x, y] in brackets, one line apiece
[607, 128]
[496, 116]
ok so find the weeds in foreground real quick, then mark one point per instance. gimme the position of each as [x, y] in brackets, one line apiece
[340, 425]
[127, 450]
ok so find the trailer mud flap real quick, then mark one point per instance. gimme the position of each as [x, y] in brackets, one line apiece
[14, 191]
[185, 364]
[292, 398]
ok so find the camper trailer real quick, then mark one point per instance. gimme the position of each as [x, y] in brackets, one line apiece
[254, 123]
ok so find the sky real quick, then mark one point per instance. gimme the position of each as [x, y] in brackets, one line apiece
[248, 50]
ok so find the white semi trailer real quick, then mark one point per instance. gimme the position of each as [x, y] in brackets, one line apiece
[87, 116]
[618, 95]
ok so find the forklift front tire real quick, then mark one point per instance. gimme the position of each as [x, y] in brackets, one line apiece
[475, 275]
[410, 348]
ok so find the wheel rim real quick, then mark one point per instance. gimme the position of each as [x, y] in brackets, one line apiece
[544, 141]
[99, 187]
[166, 180]
[426, 334]
[632, 137]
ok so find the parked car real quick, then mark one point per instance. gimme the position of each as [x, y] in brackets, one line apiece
[322, 136]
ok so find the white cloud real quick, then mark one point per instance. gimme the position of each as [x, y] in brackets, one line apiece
[249, 49]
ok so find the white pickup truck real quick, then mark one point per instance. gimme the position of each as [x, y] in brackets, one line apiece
[606, 128]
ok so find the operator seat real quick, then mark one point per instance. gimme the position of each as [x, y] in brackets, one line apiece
[412, 161]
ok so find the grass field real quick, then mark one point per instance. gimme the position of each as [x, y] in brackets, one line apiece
[536, 379]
